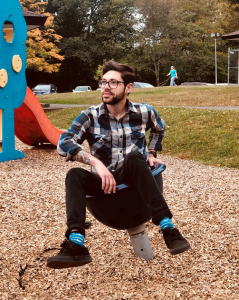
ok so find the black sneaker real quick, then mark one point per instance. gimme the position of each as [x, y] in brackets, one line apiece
[71, 255]
[175, 242]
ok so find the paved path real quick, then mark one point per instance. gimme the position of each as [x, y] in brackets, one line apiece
[209, 107]
[60, 106]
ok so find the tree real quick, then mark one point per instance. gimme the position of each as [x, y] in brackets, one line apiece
[42, 51]
[36, 6]
[92, 30]
[157, 37]
[179, 33]
[199, 20]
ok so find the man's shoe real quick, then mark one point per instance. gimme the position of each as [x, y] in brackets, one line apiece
[71, 255]
[175, 242]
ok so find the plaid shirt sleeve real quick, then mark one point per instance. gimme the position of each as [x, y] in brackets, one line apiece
[157, 131]
[71, 140]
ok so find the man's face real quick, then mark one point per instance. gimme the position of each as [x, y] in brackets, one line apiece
[110, 95]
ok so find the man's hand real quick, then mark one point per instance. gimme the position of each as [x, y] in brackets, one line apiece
[108, 181]
[154, 162]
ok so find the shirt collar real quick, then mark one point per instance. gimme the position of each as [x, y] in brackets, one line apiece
[103, 111]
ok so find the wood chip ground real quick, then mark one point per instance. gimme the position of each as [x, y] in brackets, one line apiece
[203, 199]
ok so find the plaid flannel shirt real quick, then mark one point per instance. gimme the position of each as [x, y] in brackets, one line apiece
[111, 139]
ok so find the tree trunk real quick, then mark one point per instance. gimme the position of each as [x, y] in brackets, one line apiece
[156, 71]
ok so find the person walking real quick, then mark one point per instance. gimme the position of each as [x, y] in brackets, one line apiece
[174, 75]
[116, 133]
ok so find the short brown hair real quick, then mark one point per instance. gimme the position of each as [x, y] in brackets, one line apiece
[126, 72]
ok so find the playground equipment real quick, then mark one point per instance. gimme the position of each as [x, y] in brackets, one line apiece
[126, 210]
[32, 125]
[28, 118]
[12, 75]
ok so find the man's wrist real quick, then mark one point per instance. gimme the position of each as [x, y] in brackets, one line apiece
[153, 152]
[94, 161]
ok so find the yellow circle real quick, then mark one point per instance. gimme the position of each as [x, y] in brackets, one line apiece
[17, 63]
[3, 78]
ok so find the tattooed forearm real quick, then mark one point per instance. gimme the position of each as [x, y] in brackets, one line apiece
[82, 157]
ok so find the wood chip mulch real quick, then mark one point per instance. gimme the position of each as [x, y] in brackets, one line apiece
[205, 204]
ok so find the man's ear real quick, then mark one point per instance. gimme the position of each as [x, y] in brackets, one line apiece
[129, 88]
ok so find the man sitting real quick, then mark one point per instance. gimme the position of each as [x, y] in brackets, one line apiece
[115, 131]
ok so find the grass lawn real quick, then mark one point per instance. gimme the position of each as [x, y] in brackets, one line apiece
[207, 136]
[163, 96]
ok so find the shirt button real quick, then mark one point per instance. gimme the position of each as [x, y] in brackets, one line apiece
[121, 136]
[120, 151]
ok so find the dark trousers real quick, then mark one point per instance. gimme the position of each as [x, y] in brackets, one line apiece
[135, 169]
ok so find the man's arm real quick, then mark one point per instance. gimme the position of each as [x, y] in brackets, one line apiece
[69, 145]
[108, 181]
[157, 130]
[156, 135]
[71, 140]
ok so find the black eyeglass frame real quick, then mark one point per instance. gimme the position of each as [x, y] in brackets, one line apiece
[100, 84]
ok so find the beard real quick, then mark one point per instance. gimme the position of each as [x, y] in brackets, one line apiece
[115, 99]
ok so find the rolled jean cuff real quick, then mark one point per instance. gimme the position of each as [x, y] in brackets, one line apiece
[159, 216]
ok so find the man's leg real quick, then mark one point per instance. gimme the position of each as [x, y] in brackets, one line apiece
[79, 183]
[136, 170]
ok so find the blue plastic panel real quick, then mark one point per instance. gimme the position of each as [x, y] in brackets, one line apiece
[13, 94]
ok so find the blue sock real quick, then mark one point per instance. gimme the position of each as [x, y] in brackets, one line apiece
[77, 238]
[166, 223]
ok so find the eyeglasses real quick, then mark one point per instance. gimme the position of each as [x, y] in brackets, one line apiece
[113, 84]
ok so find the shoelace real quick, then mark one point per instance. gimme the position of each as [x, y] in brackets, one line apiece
[63, 244]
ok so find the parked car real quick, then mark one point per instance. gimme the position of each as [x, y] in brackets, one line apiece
[82, 89]
[44, 88]
[142, 85]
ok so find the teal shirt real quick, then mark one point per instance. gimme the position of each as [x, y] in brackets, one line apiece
[173, 73]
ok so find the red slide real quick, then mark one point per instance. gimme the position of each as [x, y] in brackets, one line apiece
[32, 125]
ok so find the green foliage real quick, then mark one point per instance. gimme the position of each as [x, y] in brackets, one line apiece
[36, 6]
[207, 136]
[92, 30]
[166, 96]
[42, 51]
[99, 71]
[149, 35]
[179, 33]
[63, 118]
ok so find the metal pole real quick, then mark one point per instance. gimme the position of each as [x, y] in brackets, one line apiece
[228, 66]
[140, 242]
[215, 61]
[238, 67]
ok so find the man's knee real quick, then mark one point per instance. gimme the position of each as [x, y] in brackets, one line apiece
[133, 156]
[75, 173]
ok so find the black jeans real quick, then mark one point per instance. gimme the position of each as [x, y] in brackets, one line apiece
[135, 169]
